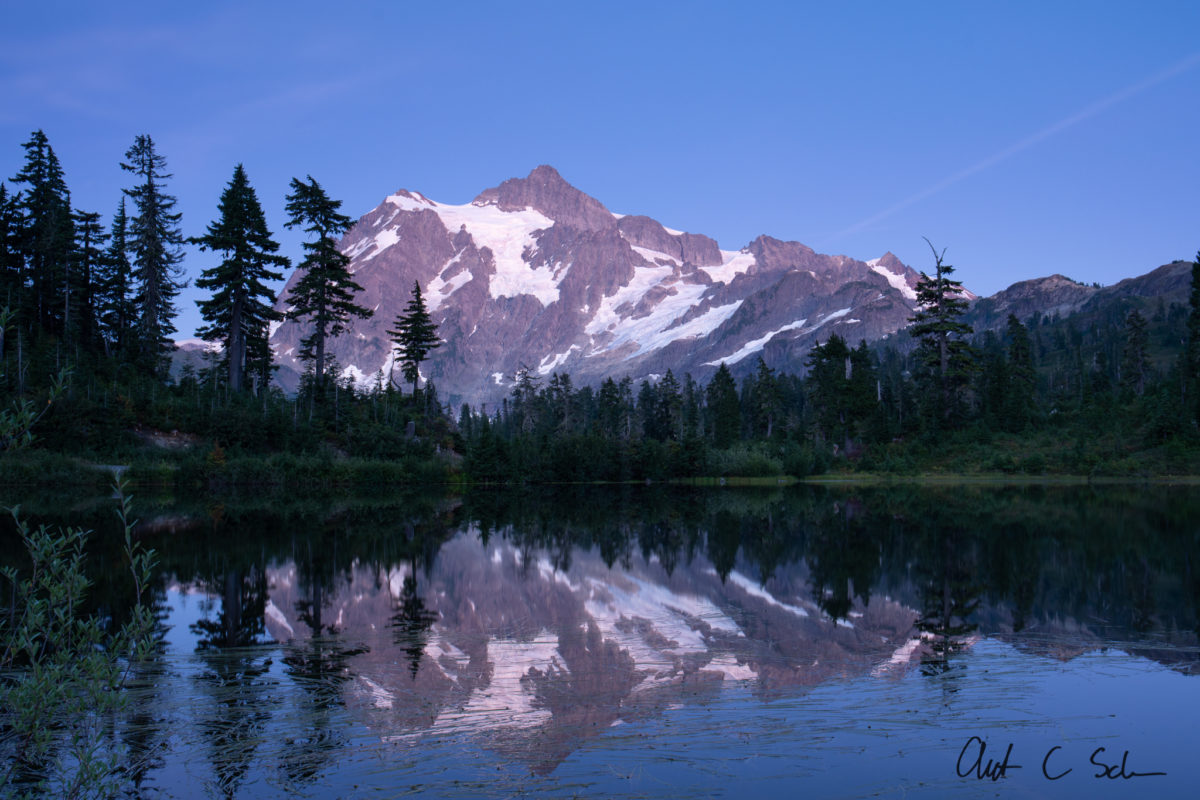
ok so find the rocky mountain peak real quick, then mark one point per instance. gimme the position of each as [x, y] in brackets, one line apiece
[545, 190]
[1054, 294]
[889, 261]
[536, 275]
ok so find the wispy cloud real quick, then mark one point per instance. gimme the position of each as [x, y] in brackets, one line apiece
[1029, 141]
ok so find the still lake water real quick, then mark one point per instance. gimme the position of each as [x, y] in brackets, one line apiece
[652, 642]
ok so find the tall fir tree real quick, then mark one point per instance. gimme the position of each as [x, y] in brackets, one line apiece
[1135, 364]
[155, 245]
[1192, 352]
[46, 237]
[414, 337]
[724, 410]
[843, 390]
[767, 400]
[670, 406]
[324, 294]
[116, 309]
[240, 309]
[12, 273]
[1018, 403]
[81, 299]
[944, 354]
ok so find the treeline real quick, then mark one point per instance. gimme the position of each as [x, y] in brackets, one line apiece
[88, 310]
[1112, 392]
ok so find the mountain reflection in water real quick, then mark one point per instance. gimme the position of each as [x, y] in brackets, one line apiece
[514, 644]
[533, 623]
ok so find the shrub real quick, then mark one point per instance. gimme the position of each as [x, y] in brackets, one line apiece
[63, 671]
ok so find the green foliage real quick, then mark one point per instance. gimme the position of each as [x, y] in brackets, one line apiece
[945, 358]
[63, 672]
[240, 307]
[17, 422]
[724, 415]
[114, 290]
[324, 294]
[842, 390]
[1191, 354]
[155, 246]
[744, 460]
[42, 230]
[1134, 360]
[414, 336]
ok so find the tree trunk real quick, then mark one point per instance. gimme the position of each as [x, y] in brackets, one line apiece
[237, 347]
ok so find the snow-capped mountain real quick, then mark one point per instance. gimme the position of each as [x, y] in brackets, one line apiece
[534, 274]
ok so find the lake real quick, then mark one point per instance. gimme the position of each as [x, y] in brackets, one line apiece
[841, 641]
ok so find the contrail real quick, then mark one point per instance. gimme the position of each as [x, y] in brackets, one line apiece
[1029, 141]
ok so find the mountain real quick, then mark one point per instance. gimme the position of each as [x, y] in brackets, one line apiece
[1059, 296]
[536, 275]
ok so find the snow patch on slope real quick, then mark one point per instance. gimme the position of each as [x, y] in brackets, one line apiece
[440, 288]
[653, 255]
[755, 345]
[551, 362]
[657, 328]
[841, 312]
[732, 265]
[508, 234]
[897, 281]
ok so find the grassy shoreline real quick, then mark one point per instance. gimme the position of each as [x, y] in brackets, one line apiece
[40, 469]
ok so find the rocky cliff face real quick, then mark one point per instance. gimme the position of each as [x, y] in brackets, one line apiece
[536, 275]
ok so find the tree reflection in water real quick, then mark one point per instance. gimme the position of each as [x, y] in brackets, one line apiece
[412, 621]
[949, 595]
[813, 584]
[320, 666]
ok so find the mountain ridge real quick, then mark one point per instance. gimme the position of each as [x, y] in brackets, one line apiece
[536, 275]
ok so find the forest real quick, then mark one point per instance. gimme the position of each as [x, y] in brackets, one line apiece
[88, 373]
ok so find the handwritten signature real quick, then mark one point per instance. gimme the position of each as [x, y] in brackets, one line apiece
[971, 763]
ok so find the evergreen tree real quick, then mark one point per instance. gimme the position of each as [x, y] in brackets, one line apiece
[608, 409]
[945, 356]
[45, 237]
[843, 390]
[767, 402]
[724, 411]
[240, 309]
[115, 287]
[1134, 361]
[1020, 384]
[12, 277]
[670, 403]
[1192, 352]
[155, 244]
[414, 336]
[81, 295]
[561, 397]
[690, 407]
[324, 294]
[648, 410]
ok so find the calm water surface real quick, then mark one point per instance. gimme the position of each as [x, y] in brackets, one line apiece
[842, 642]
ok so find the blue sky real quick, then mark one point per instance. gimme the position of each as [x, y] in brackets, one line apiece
[1025, 138]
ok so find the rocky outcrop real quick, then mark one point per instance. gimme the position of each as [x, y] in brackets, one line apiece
[1056, 294]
